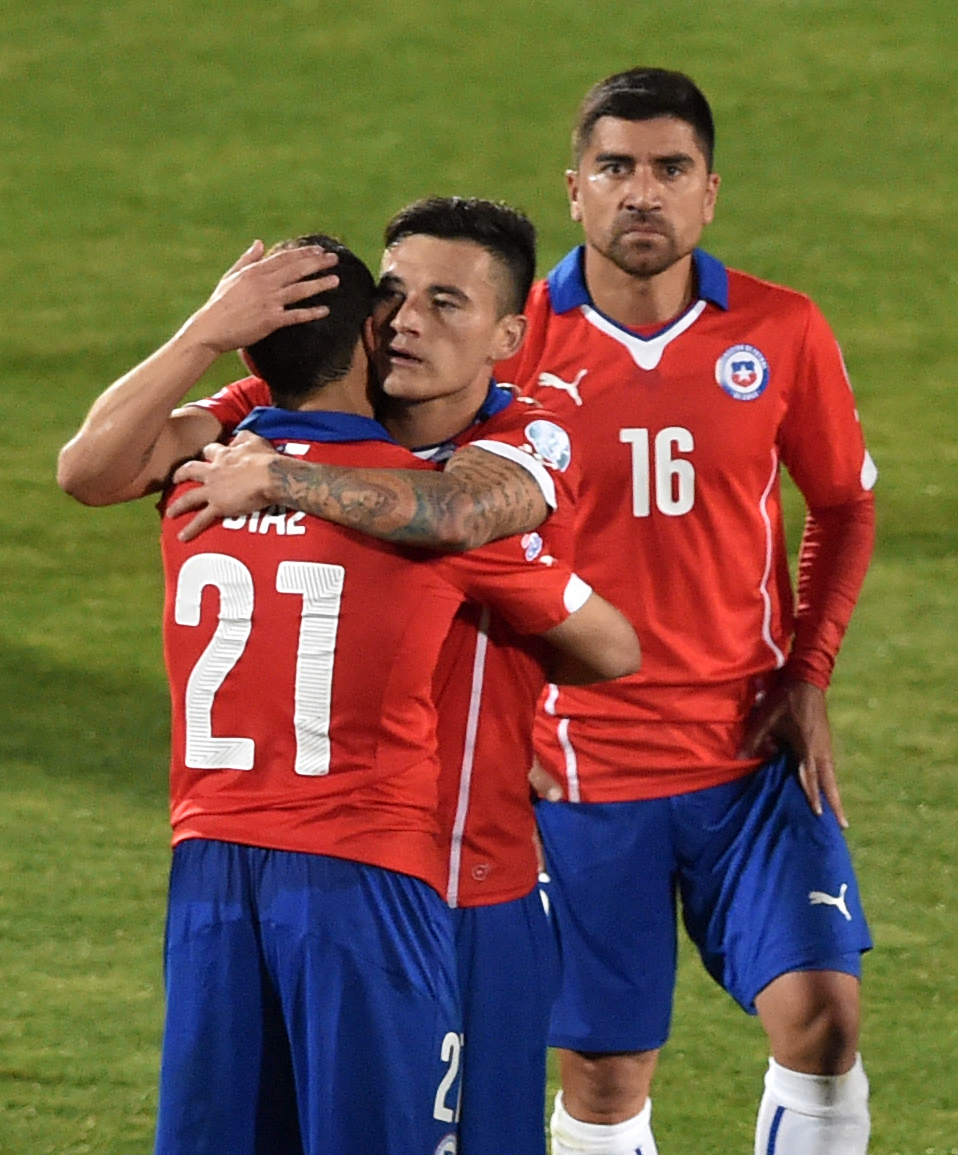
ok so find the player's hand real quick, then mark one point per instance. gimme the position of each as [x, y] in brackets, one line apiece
[233, 479]
[542, 782]
[251, 299]
[795, 714]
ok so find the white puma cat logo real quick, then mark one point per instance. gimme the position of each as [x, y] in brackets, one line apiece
[818, 898]
[551, 381]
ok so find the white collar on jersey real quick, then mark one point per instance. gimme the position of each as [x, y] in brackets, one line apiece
[567, 291]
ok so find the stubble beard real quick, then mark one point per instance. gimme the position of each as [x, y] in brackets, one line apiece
[643, 258]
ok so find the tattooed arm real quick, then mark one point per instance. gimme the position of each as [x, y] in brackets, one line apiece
[480, 496]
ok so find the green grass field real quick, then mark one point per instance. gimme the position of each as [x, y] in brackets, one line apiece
[144, 146]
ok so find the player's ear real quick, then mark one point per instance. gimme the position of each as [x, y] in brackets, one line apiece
[248, 362]
[369, 335]
[572, 188]
[510, 335]
[711, 194]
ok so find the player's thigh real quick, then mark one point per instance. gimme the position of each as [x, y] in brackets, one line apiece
[365, 965]
[767, 886]
[508, 973]
[222, 1022]
[611, 867]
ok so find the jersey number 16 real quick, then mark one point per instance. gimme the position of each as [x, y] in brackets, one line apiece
[655, 470]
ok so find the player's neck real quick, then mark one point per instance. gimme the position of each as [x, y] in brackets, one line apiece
[350, 394]
[430, 421]
[636, 301]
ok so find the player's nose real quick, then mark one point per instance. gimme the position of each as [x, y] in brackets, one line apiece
[641, 190]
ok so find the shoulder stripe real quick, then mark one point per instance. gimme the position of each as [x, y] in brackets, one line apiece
[527, 461]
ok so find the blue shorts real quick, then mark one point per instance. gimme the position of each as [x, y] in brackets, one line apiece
[312, 1006]
[509, 978]
[767, 888]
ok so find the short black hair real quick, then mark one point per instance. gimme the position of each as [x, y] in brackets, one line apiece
[643, 94]
[503, 231]
[297, 360]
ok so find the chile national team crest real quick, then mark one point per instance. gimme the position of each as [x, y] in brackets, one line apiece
[742, 371]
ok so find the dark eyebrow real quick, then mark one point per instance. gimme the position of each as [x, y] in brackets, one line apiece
[617, 157]
[676, 158]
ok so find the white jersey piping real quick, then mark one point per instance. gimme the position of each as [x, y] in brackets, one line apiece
[527, 461]
[571, 761]
[468, 758]
[769, 550]
[645, 352]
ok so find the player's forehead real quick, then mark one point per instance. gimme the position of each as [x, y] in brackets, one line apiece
[424, 262]
[657, 138]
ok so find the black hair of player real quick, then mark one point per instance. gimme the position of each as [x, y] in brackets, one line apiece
[299, 359]
[503, 231]
[644, 94]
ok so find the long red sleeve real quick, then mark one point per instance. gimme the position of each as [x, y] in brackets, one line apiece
[835, 552]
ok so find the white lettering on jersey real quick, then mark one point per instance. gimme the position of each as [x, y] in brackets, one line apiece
[551, 381]
[320, 586]
[819, 898]
[656, 470]
[450, 1053]
[275, 518]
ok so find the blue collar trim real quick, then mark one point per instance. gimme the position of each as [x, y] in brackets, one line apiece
[312, 425]
[567, 287]
[499, 397]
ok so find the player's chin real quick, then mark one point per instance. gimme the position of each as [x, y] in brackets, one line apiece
[404, 383]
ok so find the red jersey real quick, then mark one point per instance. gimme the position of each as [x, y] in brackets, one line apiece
[301, 659]
[679, 437]
[488, 681]
[488, 677]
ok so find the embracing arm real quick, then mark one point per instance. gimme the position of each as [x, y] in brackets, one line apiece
[595, 644]
[133, 437]
[479, 497]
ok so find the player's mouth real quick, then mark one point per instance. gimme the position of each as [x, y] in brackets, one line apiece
[398, 356]
[637, 227]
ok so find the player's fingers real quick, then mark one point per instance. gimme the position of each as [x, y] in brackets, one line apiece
[203, 520]
[298, 316]
[252, 440]
[758, 734]
[290, 265]
[190, 500]
[190, 471]
[808, 777]
[543, 783]
[253, 254]
[300, 290]
[210, 453]
[829, 783]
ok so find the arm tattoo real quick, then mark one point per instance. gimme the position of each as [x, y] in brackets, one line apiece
[479, 498]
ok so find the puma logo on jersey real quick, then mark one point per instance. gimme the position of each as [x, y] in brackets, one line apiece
[551, 381]
[819, 898]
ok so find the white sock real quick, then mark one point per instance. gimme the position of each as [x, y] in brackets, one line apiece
[813, 1114]
[573, 1137]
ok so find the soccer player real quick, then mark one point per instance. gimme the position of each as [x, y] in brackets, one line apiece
[685, 386]
[486, 751]
[436, 270]
[308, 958]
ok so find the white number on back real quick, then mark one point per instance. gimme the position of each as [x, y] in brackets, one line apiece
[320, 587]
[451, 1051]
[674, 483]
